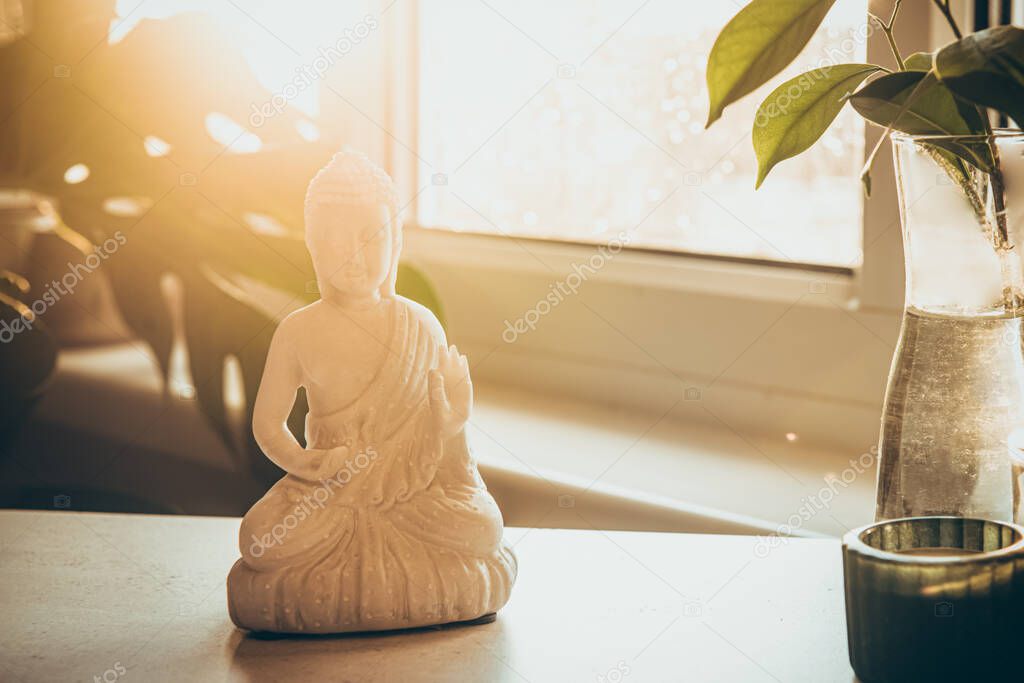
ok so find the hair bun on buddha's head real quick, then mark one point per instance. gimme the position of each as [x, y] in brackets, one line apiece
[350, 178]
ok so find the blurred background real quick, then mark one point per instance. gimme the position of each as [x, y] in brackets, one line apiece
[153, 172]
[709, 376]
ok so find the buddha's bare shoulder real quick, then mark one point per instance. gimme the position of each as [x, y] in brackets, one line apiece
[425, 316]
[299, 323]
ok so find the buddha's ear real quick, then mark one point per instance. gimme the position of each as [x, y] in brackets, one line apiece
[387, 288]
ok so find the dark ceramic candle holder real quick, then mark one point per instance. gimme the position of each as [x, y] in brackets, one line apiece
[935, 599]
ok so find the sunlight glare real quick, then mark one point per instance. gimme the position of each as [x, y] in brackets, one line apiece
[76, 174]
[274, 57]
[127, 207]
[227, 132]
[263, 224]
[308, 130]
[156, 147]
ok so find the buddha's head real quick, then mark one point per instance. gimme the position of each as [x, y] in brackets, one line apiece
[352, 228]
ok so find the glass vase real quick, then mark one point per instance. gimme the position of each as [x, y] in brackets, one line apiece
[956, 386]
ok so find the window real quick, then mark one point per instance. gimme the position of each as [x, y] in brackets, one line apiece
[584, 119]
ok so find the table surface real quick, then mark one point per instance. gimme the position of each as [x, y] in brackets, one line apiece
[88, 597]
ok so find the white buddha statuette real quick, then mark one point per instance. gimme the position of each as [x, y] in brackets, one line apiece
[382, 520]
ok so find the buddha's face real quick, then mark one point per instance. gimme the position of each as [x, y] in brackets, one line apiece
[351, 246]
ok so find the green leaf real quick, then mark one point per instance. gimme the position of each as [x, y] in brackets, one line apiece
[796, 113]
[413, 284]
[919, 61]
[933, 111]
[759, 42]
[987, 68]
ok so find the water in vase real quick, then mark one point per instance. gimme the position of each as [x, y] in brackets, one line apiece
[956, 392]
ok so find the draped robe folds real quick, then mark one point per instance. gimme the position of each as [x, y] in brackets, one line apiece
[404, 535]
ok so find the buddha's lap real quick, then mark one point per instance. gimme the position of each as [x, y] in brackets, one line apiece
[411, 586]
[278, 530]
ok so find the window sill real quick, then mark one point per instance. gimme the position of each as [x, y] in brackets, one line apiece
[681, 470]
[708, 274]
